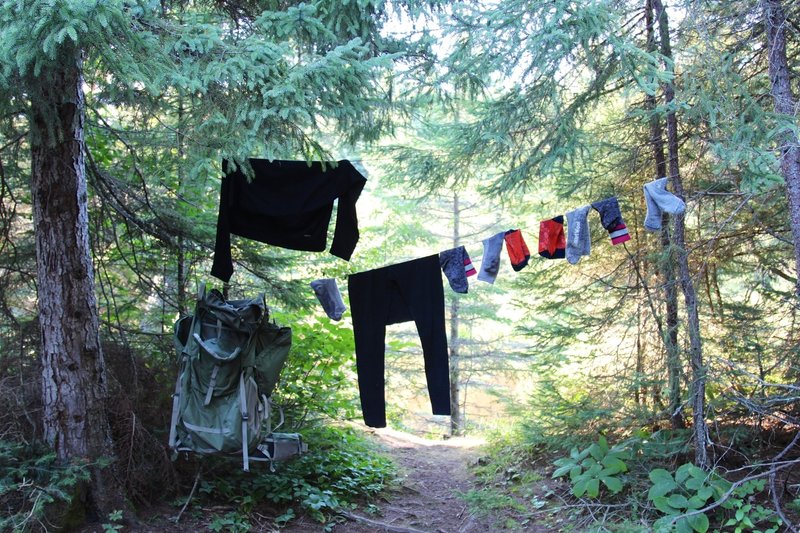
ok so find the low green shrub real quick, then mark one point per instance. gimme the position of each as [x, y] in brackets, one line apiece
[317, 382]
[595, 464]
[683, 496]
[32, 483]
[743, 514]
[339, 470]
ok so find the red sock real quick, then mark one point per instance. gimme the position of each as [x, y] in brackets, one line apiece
[517, 249]
[552, 242]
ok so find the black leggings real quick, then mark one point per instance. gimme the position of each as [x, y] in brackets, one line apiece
[399, 293]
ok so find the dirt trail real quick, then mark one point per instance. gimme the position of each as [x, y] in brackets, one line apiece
[431, 476]
[432, 473]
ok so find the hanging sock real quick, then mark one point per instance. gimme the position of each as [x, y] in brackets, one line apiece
[517, 249]
[579, 240]
[611, 219]
[659, 201]
[490, 264]
[457, 266]
[552, 241]
[327, 292]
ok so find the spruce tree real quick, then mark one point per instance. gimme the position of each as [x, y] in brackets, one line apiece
[237, 79]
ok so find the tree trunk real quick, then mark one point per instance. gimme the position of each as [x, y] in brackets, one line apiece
[789, 147]
[181, 267]
[670, 339]
[456, 420]
[73, 369]
[698, 392]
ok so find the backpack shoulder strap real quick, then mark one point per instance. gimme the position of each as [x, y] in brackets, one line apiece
[176, 405]
[243, 409]
[176, 397]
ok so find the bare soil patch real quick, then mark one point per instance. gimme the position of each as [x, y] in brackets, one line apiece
[433, 474]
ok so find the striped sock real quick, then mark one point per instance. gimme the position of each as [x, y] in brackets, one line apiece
[619, 234]
[469, 268]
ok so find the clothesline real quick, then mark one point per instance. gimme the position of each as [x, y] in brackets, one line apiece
[290, 204]
[457, 266]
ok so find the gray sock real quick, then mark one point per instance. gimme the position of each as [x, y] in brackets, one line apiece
[659, 201]
[490, 264]
[579, 241]
[456, 266]
[329, 296]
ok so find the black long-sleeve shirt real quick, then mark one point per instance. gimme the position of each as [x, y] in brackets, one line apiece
[288, 204]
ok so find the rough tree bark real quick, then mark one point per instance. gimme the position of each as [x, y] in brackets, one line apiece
[73, 369]
[698, 389]
[667, 267]
[780, 77]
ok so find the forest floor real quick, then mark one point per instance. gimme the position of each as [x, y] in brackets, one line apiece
[435, 477]
[436, 491]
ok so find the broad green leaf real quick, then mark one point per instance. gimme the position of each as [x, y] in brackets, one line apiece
[594, 469]
[678, 501]
[579, 488]
[563, 470]
[683, 472]
[682, 526]
[663, 524]
[661, 489]
[593, 488]
[596, 452]
[699, 522]
[705, 493]
[661, 503]
[614, 463]
[696, 502]
[614, 484]
[603, 444]
[659, 475]
[620, 454]
[694, 484]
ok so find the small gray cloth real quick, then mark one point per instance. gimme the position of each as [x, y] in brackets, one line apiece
[490, 264]
[328, 294]
[659, 201]
[456, 264]
[579, 240]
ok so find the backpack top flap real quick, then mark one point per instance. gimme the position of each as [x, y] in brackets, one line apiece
[224, 329]
[241, 315]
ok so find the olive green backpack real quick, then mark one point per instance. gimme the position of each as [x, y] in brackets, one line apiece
[230, 357]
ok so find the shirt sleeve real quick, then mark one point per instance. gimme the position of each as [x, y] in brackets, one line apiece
[345, 235]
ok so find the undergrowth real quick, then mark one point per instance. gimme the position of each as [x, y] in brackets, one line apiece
[340, 470]
[33, 485]
[639, 483]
